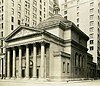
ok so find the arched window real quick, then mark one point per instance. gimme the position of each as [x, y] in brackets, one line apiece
[75, 60]
[79, 60]
[82, 64]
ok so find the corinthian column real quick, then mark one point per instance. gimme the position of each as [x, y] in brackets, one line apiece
[8, 63]
[20, 62]
[14, 59]
[34, 60]
[42, 67]
[27, 61]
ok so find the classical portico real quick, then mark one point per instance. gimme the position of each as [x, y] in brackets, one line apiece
[24, 58]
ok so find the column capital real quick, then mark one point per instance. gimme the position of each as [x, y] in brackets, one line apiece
[27, 45]
[20, 46]
[43, 42]
[34, 44]
[8, 48]
[13, 48]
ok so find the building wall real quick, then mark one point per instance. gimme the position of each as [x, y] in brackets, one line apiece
[86, 14]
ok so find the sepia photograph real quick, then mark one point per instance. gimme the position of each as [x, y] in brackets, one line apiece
[49, 42]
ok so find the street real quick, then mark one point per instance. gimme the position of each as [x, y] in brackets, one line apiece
[33, 83]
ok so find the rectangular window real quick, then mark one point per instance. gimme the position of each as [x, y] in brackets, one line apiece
[91, 41]
[12, 27]
[91, 4]
[91, 29]
[91, 23]
[67, 67]
[63, 67]
[40, 19]
[2, 16]
[77, 8]
[2, 43]
[91, 36]
[2, 1]
[77, 20]
[78, 14]
[40, 1]
[40, 6]
[1, 34]
[2, 25]
[40, 13]
[44, 9]
[2, 8]
[1, 50]
[91, 17]
[77, 25]
[19, 15]
[19, 7]
[91, 48]
[12, 11]
[91, 10]
[12, 19]
[65, 12]
[65, 17]
[44, 3]
[18, 22]
[44, 15]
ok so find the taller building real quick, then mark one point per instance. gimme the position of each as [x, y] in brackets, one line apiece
[86, 15]
[27, 12]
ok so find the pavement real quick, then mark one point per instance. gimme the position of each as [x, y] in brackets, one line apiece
[41, 83]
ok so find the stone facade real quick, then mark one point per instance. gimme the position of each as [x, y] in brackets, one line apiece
[54, 49]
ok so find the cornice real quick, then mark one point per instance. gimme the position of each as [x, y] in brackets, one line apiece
[35, 34]
[74, 43]
[62, 54]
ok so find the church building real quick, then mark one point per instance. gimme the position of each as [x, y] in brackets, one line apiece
[54, 49]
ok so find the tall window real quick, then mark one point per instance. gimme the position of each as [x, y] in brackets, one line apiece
[65, 12]
[12, 27]
[91, 17]
[91, 4]
[77, 20]
[63, 67]
[12, 11]
[91, 48]
[79, 60]
[91, 23]
[91, 10]
[76, 56]
[91, 29]
[40, 12]
[18, 22]
[2, 25]
[67, 67]
[91, 41]
[12, 19]
[91, 36]
[82, 62]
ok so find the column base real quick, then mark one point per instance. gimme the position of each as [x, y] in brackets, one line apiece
[8, 78]
[42, 79]
[13, 78]
[34, 78]
[26, 78]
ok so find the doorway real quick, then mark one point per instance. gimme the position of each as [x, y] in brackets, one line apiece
[37, 73]
[23, 73]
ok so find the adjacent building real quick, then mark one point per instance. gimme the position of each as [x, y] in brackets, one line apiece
[86, 15]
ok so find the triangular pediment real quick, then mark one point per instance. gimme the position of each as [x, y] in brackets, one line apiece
[21, 32]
